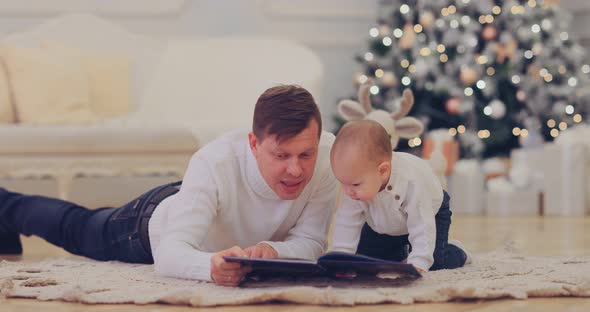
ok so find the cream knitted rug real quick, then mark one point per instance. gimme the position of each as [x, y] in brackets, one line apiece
[494, 275]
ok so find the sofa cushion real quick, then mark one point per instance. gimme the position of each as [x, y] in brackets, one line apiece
[109, 77]
[93, 33]
[6, 106]
[77, 140]
[47, 88]
[211, 91]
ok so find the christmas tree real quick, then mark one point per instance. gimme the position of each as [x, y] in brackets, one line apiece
[496, 74]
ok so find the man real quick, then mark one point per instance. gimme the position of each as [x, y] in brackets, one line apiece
[267, 193]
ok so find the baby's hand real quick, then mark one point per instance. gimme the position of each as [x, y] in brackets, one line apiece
[420, 270]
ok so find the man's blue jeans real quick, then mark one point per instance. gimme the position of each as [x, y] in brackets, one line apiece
[396, 248]
[101, 234]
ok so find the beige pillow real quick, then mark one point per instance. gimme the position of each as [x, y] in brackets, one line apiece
[7, 113]
[47, 88]
[109, 78]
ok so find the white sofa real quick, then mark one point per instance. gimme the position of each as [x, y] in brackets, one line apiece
[184, 91]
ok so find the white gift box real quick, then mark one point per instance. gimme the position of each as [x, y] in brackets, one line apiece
[467, 187]
[565, 180]
[512, 203]
[559, 170]
[527, 168]
[579, 136]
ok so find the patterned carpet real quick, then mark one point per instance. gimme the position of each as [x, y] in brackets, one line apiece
[501, 274]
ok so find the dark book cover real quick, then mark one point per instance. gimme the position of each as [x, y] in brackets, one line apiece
[330, 269]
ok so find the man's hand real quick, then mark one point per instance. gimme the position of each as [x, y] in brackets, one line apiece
[261, 250]
[228, 274]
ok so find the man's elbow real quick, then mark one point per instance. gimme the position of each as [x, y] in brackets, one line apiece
[160, 267]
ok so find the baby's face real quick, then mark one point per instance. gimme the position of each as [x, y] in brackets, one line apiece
[361, 179]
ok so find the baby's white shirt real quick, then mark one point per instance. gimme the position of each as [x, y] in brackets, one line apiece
[407, 205]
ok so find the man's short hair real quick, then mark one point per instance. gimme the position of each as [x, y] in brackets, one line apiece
[368, 136]
[284, 111]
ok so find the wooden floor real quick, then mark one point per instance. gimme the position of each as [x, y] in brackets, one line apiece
[533, 236]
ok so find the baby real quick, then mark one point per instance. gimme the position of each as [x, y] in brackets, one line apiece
[394, 206]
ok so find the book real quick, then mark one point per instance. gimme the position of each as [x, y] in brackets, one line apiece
[332, 266]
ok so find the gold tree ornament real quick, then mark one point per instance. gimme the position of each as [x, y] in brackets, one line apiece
[426, 19]
[489, 33]
[505, 51]
[549, 3]
[389, 80]
[453, 105]
[468, 75]
[409, 37]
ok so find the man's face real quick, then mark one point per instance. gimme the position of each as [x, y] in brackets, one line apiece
[287, 166]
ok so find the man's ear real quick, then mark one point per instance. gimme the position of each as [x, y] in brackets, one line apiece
[253, 142]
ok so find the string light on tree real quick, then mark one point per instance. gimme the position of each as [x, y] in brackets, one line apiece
[360, 79]
[516, 131]
[415, 142]
[387, 41]
[406, 81]
[515, 79]
[374, 32]
[498, 109]
[374, 90]
[481, 84]
[404, 9]
[483, 134]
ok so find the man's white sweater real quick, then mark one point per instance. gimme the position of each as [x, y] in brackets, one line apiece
[224, 201]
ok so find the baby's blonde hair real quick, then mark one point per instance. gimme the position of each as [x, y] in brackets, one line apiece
[366, 136]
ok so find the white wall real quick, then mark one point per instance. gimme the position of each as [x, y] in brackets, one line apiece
[580, 10]
[336, 29]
